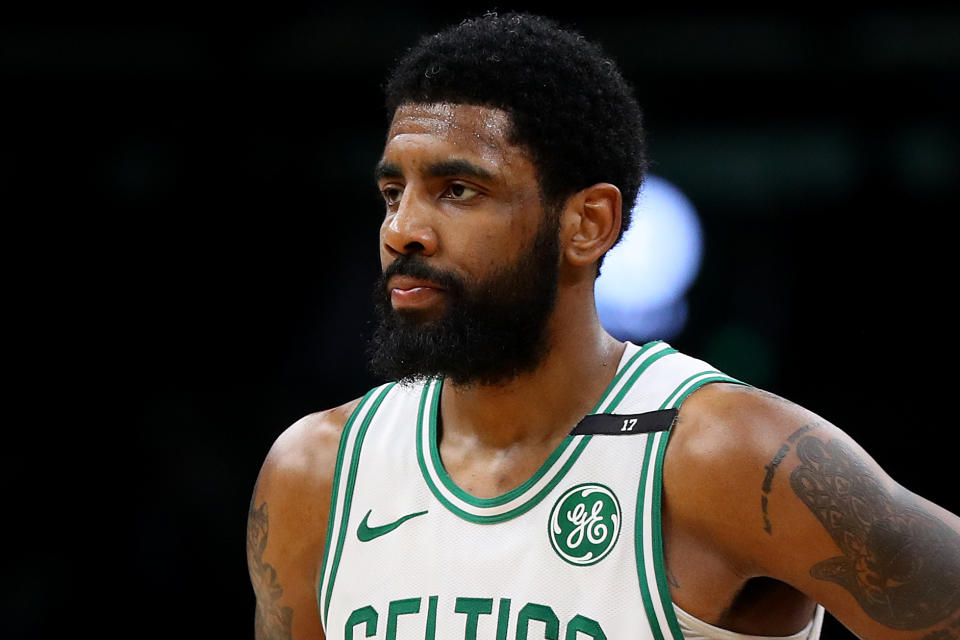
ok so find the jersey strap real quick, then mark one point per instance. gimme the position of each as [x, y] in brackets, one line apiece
[648, 536]
[344, 478]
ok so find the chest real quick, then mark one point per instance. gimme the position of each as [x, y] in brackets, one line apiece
[573, 549]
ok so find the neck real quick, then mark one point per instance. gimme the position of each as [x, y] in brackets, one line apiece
[540, 407]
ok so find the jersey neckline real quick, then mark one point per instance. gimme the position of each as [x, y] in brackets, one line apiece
[634, 361]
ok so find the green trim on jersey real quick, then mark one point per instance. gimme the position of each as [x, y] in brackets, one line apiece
[489, 505]
[460, 493]
[527, 495]
[342, 453]
[638, 544]
[640, 370]
[653, 463]
[659, 562]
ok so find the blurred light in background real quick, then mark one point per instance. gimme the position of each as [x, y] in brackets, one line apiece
[640, 291]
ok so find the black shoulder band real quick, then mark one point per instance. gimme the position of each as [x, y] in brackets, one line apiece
[625, 424]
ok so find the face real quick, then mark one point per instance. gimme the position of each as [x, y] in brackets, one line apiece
[470, 258]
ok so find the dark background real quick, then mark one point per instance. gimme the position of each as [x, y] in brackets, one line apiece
[191, 238]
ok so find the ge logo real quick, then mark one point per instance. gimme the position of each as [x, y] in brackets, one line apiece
[585, 524]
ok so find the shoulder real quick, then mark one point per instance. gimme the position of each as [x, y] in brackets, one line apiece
[287, 523]
[723, 425]
[304, 456]
[293, 487]
[728, 466]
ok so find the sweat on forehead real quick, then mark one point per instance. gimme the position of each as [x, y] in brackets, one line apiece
[468, 134]
[490, 125]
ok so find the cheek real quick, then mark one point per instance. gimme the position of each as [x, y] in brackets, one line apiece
[472, 249]
[385, 257]
[526, 214]
[490, 249]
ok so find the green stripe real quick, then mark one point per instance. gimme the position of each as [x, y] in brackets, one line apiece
[639, 372]
[341, 453]
[700, 383]
[638, 545]
[623, 371]
[584, 441]
[659, 566]
[491, 519]
[466, 497]
[420, 459]
[674, 400]
[668, 403]
[348, 496]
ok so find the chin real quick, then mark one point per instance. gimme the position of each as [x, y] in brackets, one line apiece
[418, 317]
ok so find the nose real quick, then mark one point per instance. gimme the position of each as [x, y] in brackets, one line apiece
[410, 228]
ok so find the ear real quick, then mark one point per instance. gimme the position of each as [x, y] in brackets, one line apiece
[590, 223]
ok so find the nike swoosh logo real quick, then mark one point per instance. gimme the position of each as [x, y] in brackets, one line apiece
[367, 533]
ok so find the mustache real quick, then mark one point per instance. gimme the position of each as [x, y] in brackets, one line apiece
[415, 267]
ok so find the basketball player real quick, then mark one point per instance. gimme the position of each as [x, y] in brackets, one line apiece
[529, 476]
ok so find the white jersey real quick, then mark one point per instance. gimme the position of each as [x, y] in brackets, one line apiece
[575, 552]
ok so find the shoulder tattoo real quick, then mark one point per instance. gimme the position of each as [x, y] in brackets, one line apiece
[272, 621]
[900, 563]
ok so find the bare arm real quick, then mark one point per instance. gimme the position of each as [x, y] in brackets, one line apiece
[802, 503]
[897, 555]
[287, 525]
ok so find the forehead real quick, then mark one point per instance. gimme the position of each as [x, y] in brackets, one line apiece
[470, 129]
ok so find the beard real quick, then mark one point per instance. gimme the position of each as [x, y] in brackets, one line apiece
[489, 331]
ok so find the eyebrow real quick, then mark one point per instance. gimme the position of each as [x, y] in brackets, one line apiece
[386, 170]
[458, 167]
[441, 169]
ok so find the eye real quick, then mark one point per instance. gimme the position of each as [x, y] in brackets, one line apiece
[460, 191]
[392, 194]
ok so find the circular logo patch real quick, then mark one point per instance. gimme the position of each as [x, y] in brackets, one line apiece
[585, 524]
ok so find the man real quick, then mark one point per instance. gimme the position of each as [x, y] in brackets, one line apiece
[517, 482]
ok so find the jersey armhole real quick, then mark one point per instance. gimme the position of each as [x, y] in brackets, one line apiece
[351, 438]
[651, 566]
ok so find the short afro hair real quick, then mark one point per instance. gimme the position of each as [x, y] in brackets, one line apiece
[570, 107]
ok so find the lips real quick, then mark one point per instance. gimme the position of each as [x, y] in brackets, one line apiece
[407, 292]
[406, 283]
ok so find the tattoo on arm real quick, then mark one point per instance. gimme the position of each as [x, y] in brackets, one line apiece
[771, 470]
[953, 633]
[272, 621]
[672, 579]
[900, 563]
